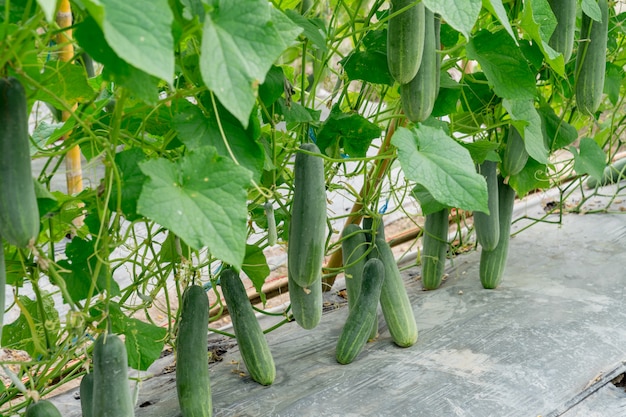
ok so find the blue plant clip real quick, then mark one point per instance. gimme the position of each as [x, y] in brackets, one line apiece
[312, 135]
[383, 209]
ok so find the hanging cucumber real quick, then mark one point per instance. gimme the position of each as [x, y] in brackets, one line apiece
[405, 39]
[362, 314]
[86, 395]
[253, 346]
[306, 303]
[272, 235]
[42, 408]
[562, 39]
[193, 386]
[418, 95]
[591, 61]
[515, 155]
[111, 391]
[492, 262]
[394, 300]
[307, 231]
[368, 228]
[487, 226]
[19, 215]
[434, 248]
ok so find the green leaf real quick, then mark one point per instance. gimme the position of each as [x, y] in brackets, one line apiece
[504, 64]
[481, 150]
[297, 113]
[240, 42]
[557, 132]
[369, 64]
[613, 81]
[197, 130]
[312, 31]
[428, 204]
[436, 161]
[591, 159]
[256, 268]
[202, 198]
[169, 252]
[65, 83]
[349, 131]
[20, 335]
[539, 22]
[591, 9]
[497, 9]
[132, 179]
[534, 176]
[273, 87]
[526, 119]
[48, 7]
[140, 35]
[461, 15]
[144, 341]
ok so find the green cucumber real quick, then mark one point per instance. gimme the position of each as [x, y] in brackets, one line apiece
[612, 174]
[405, 40]
[19, 214]
[307, 230]
[487, 226]
[368, 227]
[307, 303]
[111, 390]
[193, 386]
[515, 154]
[418, 95]
[493, 262]
[562, 39]
[272, 234]
[354, 247]
[86, 395]
[434, 248]
[253, 346]
[437, 49]
[394, 300]
[362, 314]
[42, 408]
[591, 61]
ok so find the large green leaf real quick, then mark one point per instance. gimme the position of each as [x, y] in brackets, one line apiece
[556, 131]
[131, 182]
[526, 119]
[369, 63]
[505, 66]
[240, 42]
[349, 131]
[140, 35]
[539, 22]
[590, 160]
[461, 15]
[256, 268]
[65, 83]
[442, 166]
[201, 198]
[534, 176]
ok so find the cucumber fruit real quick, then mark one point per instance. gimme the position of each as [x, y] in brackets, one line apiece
[418, 95]
[111, 391]
[306, 303]
[253, 346]
[493, 262]
[515, 154]
[193, 386]
[86, 395]
[405, 39]
[362, 314]
[19, 214]
[42, 408]
[434, 248]
[394, 300]
[562, 39]
[307, 230]
[612, 174]
[591, 61]
[272, 234]
[487, 226]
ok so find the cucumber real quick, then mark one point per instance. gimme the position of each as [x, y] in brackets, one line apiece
[405, 40]
[418, 95]
[487, 226]
[306, 303]
[354, 246]
[591, 61]
[492, 262]
[253, 346]
[394, 300]
[562, 39]
[193, 386]
[272, 235]
[612, 174]
[434, 248]
[86, 395]
[515, 155]
[111, 391]
[307, 231]
[368, 227]
[19, 214]
[437, 49]
[42, 408]
[362, 314]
